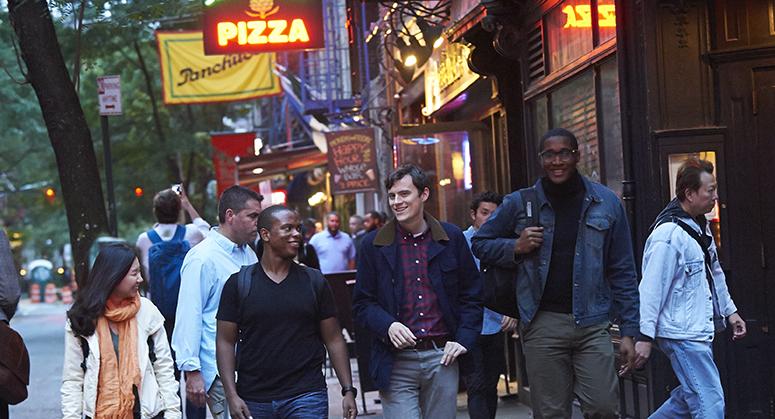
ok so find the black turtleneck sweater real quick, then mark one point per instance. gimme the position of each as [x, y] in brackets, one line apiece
[566, 199]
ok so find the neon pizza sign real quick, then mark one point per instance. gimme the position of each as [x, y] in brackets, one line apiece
[239, 26]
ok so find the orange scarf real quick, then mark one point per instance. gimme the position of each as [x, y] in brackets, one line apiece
[115, 399]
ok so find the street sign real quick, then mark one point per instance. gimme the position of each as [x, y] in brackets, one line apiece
[109, 93]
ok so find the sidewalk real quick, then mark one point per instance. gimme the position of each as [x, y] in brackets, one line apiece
[508, 407]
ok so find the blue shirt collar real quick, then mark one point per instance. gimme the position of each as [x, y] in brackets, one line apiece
[224, 242]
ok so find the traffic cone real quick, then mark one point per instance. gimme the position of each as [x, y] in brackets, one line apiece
[67, 295]
[34, 293]
[51, 294]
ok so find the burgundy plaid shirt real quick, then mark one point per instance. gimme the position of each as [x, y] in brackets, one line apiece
[420, 310]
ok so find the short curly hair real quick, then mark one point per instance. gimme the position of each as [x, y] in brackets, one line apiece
[166, 206]
[486, 196]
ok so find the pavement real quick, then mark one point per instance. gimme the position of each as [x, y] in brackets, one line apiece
[42, 327]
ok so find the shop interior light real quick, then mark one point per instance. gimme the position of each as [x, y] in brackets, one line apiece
[424, 140]
[61, 270]
[23, 272]
[209, 2]
[258, 171]
[317, 199]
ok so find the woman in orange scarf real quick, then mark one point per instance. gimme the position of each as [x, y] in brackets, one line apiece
[117, 359]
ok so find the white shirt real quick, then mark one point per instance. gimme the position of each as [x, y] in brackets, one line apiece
[195, 233]
[202, 276]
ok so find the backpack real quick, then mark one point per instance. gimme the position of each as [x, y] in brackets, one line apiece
[85, 351]
[500, 291]
[165, 259]
[14, 366]
[245, 278]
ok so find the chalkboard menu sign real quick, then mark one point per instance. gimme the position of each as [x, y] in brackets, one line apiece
[352, 161]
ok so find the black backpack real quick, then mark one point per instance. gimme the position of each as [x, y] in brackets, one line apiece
[500, 290]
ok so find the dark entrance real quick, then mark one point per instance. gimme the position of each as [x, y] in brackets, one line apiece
[747, 107]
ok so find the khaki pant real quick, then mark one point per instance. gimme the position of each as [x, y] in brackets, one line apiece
[563, 360]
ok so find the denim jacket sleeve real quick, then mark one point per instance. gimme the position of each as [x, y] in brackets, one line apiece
[660, 263]
[620, 272]
[367, 310]
[496, 240]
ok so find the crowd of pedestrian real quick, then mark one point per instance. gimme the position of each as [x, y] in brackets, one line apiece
[248, 299]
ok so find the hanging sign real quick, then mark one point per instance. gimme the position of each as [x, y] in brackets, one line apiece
[352, 161]
[189, 76]
[233, 26]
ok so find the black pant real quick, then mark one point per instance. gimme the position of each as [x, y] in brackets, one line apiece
[482, 382]
[3, 410]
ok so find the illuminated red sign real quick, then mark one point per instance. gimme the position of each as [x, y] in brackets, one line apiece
[580, 16]
[238, 26]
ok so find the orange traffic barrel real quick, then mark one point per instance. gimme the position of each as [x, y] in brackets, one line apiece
[34, 293]
[67, 295]
[51, 294]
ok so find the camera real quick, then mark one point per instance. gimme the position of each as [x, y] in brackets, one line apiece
[177, 188]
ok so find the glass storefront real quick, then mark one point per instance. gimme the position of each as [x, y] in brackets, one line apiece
[446, 157]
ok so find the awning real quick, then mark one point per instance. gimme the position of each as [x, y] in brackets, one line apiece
[254, 169]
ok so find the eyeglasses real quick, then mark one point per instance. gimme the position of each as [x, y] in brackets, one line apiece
[565, 154]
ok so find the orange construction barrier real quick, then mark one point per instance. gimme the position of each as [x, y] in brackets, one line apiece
[67, 295]
[51, 294]
[34, 293]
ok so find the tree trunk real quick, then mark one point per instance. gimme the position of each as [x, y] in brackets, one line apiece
[67, 129]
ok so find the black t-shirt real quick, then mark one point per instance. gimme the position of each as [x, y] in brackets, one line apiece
[280, 352]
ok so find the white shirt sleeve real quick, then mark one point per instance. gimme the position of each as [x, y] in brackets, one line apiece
[187, 334]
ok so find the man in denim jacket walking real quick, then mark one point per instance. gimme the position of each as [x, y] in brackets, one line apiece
[684, 296]
[575, 274]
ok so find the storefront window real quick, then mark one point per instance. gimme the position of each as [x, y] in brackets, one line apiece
[606, 13]
[573, 107]
[611, 129]
[568, 32]
[446, 157]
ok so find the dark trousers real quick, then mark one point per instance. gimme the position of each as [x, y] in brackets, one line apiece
[3, 410]
[482, 382]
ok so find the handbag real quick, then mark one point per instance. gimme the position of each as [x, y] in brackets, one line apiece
[14, 365]
[500, 284]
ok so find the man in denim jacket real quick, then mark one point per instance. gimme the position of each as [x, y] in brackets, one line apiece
[678, 305]
[575, 275]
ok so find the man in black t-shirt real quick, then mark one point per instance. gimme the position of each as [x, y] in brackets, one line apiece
[284, 325]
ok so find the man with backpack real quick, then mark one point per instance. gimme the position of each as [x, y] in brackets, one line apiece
[282, 318]
[684, 300]
[575, 274]
[163, 247]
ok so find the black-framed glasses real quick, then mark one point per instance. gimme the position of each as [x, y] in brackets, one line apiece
[565, 154]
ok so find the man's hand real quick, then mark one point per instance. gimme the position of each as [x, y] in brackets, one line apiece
[642, 353]
[237, 408]
[400, 336]
[738, 326]
[508, 324]
[349, 407]
[530, 239]
[627, 352]
[195, 388]
[452, 350]
[184, 202]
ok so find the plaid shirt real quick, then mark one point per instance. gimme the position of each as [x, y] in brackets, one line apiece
[420, 310]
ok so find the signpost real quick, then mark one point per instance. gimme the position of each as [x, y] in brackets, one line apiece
[352, 161]
[109, 97]
[239, 26]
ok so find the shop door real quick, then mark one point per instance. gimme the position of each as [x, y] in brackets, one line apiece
[748, 109]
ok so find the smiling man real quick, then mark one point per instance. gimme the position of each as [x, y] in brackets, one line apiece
[285, 320]
[418, 292]
[575, 275]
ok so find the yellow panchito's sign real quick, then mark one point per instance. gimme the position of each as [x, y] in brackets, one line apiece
[189, 76]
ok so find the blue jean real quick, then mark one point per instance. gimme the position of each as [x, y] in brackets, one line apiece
[700, 394]
[313, 405]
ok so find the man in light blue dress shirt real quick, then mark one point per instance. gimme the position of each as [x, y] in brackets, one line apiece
[335, 249]
[205, 269]
[487, 357]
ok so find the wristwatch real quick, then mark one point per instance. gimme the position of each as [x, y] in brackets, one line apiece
[346, 389]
